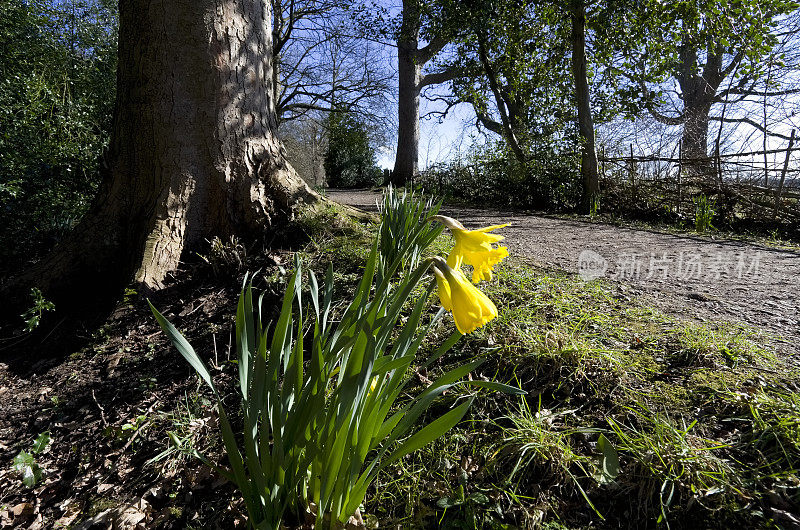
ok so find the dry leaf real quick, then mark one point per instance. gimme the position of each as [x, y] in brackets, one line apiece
[68, 518]
[133, 517]
[22, 509]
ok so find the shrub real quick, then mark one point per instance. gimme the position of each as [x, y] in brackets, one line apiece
[548, 180]
[57, 84]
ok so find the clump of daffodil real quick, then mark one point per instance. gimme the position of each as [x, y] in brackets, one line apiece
[470, 307]
[474, 247]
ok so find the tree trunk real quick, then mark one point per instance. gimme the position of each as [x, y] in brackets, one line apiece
[591, 182]
[193, 153]
[507, 119]
[694, 137]
[698, 93]
[409, 73]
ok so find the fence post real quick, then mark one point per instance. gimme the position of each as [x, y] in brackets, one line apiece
[783, 177]
[603, 162]
[632, 171]
[680, 188]
[766, 160]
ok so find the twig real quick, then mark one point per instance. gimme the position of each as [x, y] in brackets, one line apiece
[102, 410]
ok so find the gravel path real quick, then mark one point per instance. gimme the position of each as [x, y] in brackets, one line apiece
[690, 276]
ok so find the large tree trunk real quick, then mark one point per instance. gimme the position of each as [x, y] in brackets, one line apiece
[409, 73]
[698, 91]
[694, 137]
[193, 153]
[591, 183]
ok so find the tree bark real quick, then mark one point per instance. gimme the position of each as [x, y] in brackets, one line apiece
[695, 133]
[193, 152]
[589, 175]
[507, 119]
[699, 93]
[409, 72]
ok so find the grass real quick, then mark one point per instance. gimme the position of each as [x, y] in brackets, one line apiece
[632, 419]
[704, 418]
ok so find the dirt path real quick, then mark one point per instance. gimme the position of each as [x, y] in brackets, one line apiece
[685, 275]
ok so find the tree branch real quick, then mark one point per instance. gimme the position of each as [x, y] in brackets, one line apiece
[436, 78]
[751, 123]
[511, 138]
[749, 92]
[423, 55]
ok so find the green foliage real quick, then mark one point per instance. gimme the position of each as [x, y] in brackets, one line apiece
[688, 41]
[25, 463]
[532, 437]
[662, 30]
[349, 158]
[594, 206]
[528, 51]
[703, 213]
[549, 180]
[404, 217]
[33, 315]
[57, 84]
[671, 457]
[320, 431]
[225, 257]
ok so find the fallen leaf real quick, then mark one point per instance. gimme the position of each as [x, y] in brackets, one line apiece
[68, 518]
[22, 509]
[133, 517]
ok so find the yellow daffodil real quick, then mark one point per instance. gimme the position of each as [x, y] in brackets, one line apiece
[474, 247]
[470, 307]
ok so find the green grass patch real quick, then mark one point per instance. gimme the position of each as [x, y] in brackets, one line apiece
[703, 419]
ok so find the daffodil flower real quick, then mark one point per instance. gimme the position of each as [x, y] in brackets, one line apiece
[470, 307]
[474, 247]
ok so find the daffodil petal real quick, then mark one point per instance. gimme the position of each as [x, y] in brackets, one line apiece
[471, 308]
[490, 228]
[476, 248]
[444, 290]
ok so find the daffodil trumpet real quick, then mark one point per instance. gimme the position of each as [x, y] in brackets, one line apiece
[470, 307]
[474, 247]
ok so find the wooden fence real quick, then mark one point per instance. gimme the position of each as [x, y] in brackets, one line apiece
[762, 185]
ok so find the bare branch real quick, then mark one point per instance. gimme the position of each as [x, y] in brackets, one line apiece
[436, 78]
[436, 45]
[751, 123]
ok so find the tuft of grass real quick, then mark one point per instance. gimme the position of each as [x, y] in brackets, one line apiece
[672, 466]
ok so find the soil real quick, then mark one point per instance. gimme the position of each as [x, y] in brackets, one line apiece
[686, 275]
[107, 410]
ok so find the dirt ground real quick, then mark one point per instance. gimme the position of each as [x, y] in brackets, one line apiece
[697, 277]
